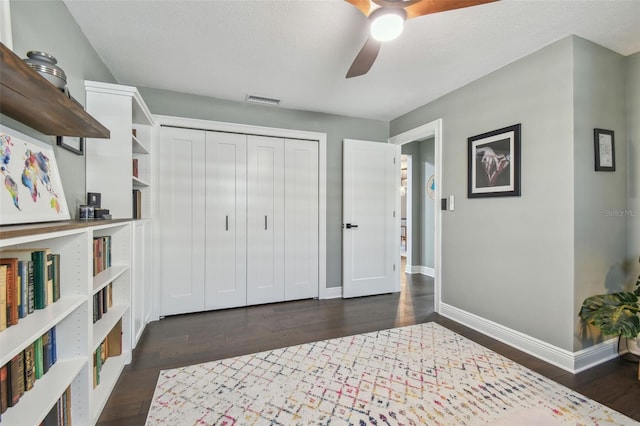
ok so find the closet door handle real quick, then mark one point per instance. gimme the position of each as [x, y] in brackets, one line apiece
[226, 224]
[265, 222]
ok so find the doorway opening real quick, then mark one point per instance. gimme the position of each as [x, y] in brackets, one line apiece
[423, 219]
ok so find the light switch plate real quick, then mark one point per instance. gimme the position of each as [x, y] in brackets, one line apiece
[452, 203]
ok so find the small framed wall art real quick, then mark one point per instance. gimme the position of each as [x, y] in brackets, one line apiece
[605, 152]
[72, 143]
[494, 163]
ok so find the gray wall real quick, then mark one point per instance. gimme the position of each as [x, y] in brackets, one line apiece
[422, 232]
[415, 237]
[633, 136]
[48, 26]
[336, 127]
[510, 260]
[427, 155]
[600, 198]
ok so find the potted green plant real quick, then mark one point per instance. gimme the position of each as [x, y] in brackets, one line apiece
[615, 314]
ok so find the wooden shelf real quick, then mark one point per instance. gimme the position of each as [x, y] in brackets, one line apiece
[15, 231]
[30, 99]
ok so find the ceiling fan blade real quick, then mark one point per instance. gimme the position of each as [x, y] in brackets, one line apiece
[363, 6]
[365, 59]
[426, 7]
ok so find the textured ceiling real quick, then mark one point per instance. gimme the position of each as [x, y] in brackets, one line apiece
[299, 51]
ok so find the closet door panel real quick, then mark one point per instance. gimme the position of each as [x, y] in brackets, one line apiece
[181, 218]
[226, 220]
[265, 230]
[301, 219]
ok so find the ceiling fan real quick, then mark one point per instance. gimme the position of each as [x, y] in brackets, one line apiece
[387, 19]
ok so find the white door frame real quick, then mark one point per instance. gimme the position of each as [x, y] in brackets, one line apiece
[321, 138]
[432, 129]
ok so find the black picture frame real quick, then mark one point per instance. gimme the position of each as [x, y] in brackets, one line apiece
[493, 163]
[72, 143]
[604, 150]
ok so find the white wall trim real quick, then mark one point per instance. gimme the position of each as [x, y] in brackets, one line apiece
[418, 269]
[219, 126]
[572, 362]
[332, 293]
[430, 272]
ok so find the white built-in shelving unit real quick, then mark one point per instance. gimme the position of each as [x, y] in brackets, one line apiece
[77, 337]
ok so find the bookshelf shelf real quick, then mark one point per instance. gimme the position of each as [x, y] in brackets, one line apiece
[35, 404]
[107, 276]
[14, 339]
[108, 377]
[137, 182]
[137, 147]
[104, 325]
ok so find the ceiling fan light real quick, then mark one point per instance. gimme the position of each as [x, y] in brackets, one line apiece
[387, 26]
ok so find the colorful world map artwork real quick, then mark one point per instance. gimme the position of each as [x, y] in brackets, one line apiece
[31, 188]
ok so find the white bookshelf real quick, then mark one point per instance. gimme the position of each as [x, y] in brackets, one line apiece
[77, 337]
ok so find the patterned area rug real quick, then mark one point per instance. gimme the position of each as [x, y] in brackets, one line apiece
[418, 375]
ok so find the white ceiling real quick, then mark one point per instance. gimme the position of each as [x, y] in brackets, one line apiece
[300, 50]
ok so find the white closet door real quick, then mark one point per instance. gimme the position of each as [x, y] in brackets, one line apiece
[301, 219]
[226, 220]
[265, 230]
[181, 218]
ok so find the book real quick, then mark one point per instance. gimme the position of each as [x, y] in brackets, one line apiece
[137, 204]
[4, 388]
[56, 276]
[39, 278]
[3, 297]
[23, 274]
[37, 351]
[14, 380]
[135, 167]
[46, 352]
[29, 367]
[30, 288]
[51, 418]
[115, 340]
[12, 291]
[54, 345]
[49, 269]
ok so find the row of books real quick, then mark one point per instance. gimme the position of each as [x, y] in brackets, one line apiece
[60, 414]
[29, 280]
[102, 301]
[110, 346]
[101, 254]
[20, 374]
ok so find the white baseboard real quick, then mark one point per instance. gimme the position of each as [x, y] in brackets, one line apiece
[572, 362]
[331, 293]
[417, 269]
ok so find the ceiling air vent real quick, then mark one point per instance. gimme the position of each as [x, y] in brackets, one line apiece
[263, 101]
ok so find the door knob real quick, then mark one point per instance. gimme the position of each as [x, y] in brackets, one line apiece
[349, 226]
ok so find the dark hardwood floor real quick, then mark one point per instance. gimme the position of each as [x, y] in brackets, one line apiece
[188, 339]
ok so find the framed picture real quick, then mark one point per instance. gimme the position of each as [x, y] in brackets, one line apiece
[72, 143]
[605, 151]
[32, 190]
[494, 163]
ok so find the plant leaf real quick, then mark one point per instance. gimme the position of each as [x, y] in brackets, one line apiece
[614, 314]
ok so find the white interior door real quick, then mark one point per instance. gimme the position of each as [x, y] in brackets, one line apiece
[226, 220]
[301, 219]
[370, 251]
[181, 220]
[265, 220]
